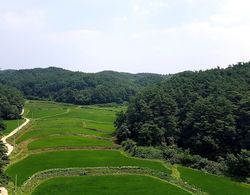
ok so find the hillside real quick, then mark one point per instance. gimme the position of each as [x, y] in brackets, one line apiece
[192, 119]
[69, 149]
[77, 87]
[205, 113]
[11, 102]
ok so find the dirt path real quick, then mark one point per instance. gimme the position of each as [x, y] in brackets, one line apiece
[10, 148]
[3, 191]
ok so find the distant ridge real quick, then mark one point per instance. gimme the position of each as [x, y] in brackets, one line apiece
[62, 85]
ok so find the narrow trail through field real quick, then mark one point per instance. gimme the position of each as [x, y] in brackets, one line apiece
[10, 148]
[4, 139]
[54, 115]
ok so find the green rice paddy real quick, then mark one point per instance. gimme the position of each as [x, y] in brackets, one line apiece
[213, 184]
[67, 141]
[80, 158]
[84, 135]
[11, 125]
[107, 185]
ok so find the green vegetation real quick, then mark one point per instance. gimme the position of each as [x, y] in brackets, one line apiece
[67, 120]
[91, 114]
[77, 158]
[11, 125]
[39, 133]
[52, 119]
[41, 109]
[67, 141]
[71, 127]
[206, 113]
[212, 184]
[3, 161]
[176, 155]
[107, 185]
[77, 87]
[3, 156]
[2, 125]
[11, 102]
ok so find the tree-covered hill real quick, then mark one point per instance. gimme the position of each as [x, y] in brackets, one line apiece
[206, 113]
[77, 87]
[11, 102]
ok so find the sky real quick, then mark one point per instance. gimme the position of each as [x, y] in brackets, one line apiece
[159, 36]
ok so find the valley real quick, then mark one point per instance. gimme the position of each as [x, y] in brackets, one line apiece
[73, 148]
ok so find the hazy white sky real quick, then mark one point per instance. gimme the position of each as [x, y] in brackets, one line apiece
[163, 36]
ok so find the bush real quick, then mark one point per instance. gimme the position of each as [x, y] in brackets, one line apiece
[239, 165]
[129, 146]
[197, 162]
[148, 152]
[178, 156]
[122, 133]
[172, 154]
[175, 155]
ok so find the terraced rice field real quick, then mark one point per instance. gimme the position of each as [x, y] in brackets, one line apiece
[108, 185]
[11, 124]
[56, 141]
[82, 158]
[213, 184]
[62, 136]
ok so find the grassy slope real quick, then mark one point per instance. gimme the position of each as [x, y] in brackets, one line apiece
[61, 119]
[63, 141]
[90, 114]
[107, 185]
[212, 184]
[82, 158]
[11, 125]
[48, 132]
[40, 109]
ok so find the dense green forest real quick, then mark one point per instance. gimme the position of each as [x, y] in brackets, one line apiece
[200, 119]
[11, 102]
[77, 87]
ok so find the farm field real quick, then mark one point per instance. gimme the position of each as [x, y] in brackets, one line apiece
[11, 124]
[82, 158]
[107, 185]
[212, 184]
[62, 136]
[71, 140]
[38, 133]
[41, 109]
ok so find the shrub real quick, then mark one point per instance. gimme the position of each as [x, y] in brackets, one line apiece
[178, 156]
[175, 155]
[122, 133]
[129, 146]
[148, 152]
[172, 154]
[239, 165]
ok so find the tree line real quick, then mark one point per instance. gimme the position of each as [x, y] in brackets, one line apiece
[77, 87]
[205, 113]
[11, 104]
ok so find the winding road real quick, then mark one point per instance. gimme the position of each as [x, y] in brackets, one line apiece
[10, 148]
